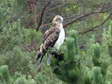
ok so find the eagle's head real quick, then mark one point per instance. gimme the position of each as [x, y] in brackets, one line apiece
[57, 20]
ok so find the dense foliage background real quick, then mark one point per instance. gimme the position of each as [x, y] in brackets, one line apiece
[87, 48]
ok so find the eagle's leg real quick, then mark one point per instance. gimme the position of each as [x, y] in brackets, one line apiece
[49, 55]
[49, 60]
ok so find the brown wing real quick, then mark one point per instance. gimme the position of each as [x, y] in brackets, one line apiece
[50, 37]
[48, 32]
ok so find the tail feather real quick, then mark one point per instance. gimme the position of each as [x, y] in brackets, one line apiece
[41, 53]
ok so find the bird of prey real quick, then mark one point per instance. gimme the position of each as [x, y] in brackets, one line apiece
[53, 37]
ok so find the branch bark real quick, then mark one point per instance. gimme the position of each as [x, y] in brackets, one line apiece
[42, 14]
[97, 26]
[83, 16]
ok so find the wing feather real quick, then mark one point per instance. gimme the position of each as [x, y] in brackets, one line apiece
[48, 32]
[50, 37]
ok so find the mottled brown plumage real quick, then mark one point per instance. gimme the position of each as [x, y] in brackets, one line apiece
[51, 36]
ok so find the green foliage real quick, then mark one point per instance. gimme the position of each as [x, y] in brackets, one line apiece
[69, 70]
[4, 73]
[17, 64]
[89, 65]
[96, 54]
[24, 80]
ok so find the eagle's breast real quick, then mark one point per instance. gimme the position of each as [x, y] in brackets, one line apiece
[61, 38]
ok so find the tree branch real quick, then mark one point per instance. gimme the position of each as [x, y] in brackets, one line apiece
[42, 14]
[83, 16]
[97, 26]
[78, 18]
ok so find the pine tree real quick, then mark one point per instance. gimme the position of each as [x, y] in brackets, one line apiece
[90, 66]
